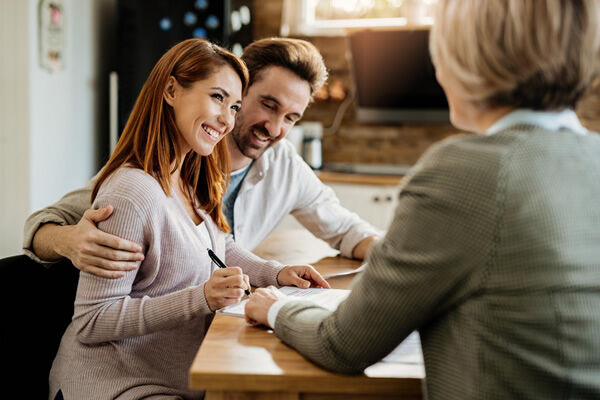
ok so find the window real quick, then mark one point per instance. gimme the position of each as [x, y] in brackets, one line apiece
[333, 17]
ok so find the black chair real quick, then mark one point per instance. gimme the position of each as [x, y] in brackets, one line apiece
[37, 306]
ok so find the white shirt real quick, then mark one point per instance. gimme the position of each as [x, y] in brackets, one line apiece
[281, 183]
[553, 121]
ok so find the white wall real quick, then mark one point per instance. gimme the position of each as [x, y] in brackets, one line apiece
[14, 123]
[62, 105]
[56, 127]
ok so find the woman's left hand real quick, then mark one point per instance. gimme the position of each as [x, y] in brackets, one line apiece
[302, 276]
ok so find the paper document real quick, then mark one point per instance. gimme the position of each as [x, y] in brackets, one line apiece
[407, 352]
[343, 273]
[326, 298]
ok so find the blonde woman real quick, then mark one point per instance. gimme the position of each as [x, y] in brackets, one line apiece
[494, 252]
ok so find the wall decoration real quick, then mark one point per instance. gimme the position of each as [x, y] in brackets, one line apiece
[51, 30]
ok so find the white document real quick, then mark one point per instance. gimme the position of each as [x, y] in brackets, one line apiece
[351, 272]
[326, 298]
[407, 352]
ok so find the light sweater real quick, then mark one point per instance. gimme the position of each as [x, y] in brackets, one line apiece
[136, 336]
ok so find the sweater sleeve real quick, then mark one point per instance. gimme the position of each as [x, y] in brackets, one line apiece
[107, 309]
[261, 272]
[67, 211]
[430, 259]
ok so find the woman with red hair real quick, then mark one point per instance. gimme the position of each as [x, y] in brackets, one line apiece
[135, 336]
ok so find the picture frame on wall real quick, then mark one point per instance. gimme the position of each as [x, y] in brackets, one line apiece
[51, 30]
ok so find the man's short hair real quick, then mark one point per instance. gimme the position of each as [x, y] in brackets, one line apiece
[538, 54]
[299, 56]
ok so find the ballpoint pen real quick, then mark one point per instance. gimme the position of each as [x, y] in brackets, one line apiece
[220, 264]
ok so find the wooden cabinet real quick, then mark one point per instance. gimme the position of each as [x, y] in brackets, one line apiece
[373, 203]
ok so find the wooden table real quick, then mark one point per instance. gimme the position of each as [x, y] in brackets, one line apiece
[238, 361]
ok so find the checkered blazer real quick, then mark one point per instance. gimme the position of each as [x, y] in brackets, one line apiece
[494, 256]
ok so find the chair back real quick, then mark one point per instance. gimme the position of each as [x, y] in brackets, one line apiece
[37, 306]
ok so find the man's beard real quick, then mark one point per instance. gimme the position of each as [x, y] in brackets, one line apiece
[244, 142]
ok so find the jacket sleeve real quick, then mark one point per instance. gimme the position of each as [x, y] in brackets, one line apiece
[433, 256]
[67, 211]
[319, 210]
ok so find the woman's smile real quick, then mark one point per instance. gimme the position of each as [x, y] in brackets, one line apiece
[211, 132]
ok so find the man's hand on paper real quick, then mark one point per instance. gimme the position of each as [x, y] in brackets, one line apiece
[257, 306]
[302, 276]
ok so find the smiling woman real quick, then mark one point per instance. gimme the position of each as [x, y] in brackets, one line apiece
[204, 111]
[154, 138]
[134, 336]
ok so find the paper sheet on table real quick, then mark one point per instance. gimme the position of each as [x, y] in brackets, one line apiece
[327, 298]
[350, 272]
[407, 352]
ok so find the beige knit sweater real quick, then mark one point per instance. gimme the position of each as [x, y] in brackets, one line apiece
[136, 336]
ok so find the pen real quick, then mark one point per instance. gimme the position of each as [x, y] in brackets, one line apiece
[220, 264]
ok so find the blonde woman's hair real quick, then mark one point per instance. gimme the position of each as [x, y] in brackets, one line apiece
[539, 54]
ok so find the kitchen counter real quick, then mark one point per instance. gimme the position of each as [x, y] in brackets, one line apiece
[358, 179]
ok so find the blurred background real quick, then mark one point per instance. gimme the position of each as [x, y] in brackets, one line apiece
[70, 71]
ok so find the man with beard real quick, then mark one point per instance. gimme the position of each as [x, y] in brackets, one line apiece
[268, 179]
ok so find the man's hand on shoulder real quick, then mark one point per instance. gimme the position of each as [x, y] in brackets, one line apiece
[94, 251]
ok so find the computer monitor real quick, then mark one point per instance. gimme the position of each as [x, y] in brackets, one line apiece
[394, 77]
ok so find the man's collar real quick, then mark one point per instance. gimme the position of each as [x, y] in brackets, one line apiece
[260, 166]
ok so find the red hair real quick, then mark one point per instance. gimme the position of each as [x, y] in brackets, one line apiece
[149, 139]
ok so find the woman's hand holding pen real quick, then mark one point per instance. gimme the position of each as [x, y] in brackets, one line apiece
[302, 276]
[226, 286]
